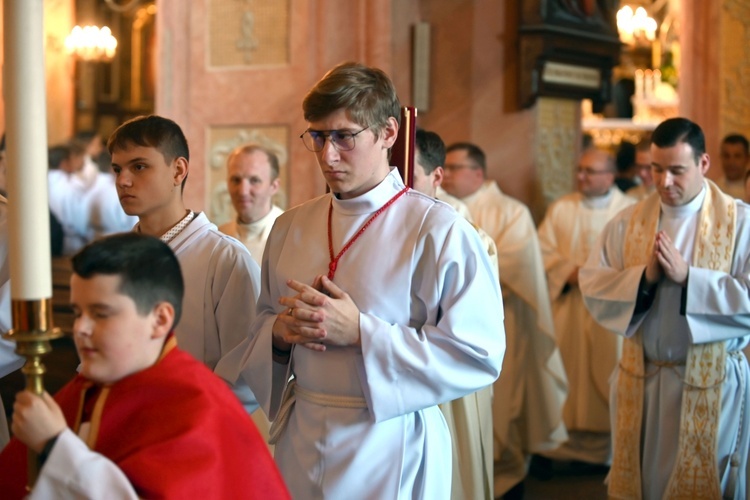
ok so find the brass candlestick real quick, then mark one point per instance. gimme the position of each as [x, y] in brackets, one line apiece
[32, 332]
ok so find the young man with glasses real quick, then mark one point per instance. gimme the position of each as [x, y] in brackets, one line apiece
[519, 428]
[378, 302]
[568, 232]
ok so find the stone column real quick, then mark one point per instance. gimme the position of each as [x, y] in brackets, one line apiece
[556, 147]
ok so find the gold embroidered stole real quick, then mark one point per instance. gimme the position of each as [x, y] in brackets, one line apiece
[695, 474]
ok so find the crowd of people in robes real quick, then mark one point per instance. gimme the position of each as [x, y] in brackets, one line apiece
[395, 342]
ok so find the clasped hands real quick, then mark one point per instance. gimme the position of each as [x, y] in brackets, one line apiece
[318, 315]
[666, 261]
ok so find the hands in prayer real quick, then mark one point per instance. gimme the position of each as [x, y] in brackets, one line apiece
[319, 314]
[36, 419]
[666, 261]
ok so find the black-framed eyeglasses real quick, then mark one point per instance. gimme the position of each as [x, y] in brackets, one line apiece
[342, 140]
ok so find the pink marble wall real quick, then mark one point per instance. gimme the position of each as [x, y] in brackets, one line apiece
[473, 83]
[700, 80]
[199, 97]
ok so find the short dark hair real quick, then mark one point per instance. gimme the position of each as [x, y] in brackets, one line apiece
[368, 95]
[675, 130]
[147, 267]
[431, 149]
[474, 152]
[152, 131]
[56, 155]
[246, 149]
[60, 152]
[737, 139]
[625, 157]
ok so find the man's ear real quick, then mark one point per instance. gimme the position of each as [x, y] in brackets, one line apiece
[275, 185]
[437, 176]
[181, 170]
[390, 132]
[163, 315]
[704, 163]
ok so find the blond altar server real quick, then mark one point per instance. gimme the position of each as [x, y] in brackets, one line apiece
[566, 235]
[252, 181]
[372, 303]
[469, 418]
[529, 395]
[671, 274]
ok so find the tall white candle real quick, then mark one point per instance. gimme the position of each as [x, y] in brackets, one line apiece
[26, 156]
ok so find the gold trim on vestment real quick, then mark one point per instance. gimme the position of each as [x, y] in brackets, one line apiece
[695, 474]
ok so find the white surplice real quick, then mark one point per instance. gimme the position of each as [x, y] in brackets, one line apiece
[86, 204]
[717, 308]
[255, 234]
[424, 287]
[568, 232]
[532, 388]
[222, 284]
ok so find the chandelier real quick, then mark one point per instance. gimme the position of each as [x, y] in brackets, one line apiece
[635, 27]
[91, 43]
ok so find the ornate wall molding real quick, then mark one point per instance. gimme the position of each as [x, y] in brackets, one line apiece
[249, 32]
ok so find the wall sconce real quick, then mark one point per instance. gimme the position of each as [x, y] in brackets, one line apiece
[635, 27]
[91, 43]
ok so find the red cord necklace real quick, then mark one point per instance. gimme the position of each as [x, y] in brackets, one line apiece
[335, 260]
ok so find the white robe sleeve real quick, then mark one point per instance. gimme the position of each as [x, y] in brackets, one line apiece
[73, 471]
[609, 289]
[408, 369]
[557, 264]
[234, 290]
[718, 304]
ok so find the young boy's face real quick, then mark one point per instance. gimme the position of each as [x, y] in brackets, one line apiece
[145, 181]
[113, 340]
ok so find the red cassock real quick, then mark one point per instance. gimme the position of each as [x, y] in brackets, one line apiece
[175, 430]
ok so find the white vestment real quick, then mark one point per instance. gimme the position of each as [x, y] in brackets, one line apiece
[530, 392]
[716, 308]
[457, 204]
[222, 284]
[567, 234]
[422, 283]
[255, 234]
[9, 360]
[87, 206]
[470, 418]
[735, 189]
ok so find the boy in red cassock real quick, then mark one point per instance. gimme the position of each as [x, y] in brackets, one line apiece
[142, 418]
